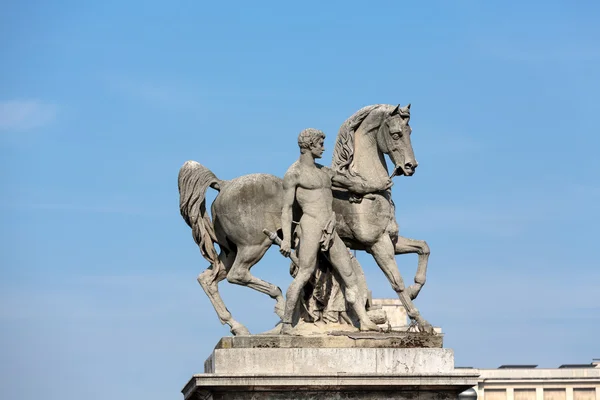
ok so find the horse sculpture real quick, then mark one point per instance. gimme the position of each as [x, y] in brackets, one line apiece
[247, 205]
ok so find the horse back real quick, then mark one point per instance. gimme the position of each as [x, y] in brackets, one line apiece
[245, 206]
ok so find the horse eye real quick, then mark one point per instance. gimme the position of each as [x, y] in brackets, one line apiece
[395, 136]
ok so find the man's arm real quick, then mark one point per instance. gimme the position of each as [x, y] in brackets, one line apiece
[356, 184]
[290, 181]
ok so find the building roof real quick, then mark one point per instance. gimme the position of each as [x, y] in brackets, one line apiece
[591, 365]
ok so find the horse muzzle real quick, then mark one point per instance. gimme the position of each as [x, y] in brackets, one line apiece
[408, 169]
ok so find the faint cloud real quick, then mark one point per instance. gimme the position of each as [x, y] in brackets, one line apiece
[179, 95]
[164, 95]
[21, 115]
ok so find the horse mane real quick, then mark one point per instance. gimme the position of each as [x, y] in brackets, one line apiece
[343, 153]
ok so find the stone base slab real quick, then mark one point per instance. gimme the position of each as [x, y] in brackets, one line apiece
[288, 367]
[329, 361]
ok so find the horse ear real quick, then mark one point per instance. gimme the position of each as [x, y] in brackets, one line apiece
[408, 106]
[396, 110]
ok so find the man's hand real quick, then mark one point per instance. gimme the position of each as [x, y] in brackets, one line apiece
[359, 185]
[365, 187]
[286, 248]
[389, 183]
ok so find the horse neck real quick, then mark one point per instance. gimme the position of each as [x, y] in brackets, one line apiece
[369, 161]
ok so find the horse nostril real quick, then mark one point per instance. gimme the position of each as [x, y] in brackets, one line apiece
[411, 166]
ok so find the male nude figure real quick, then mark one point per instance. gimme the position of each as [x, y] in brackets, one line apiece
[310, 185]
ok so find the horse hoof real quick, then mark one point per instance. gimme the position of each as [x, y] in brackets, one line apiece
[425, 327]
[240, 330]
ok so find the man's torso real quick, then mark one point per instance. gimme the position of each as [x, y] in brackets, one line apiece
[313, 192]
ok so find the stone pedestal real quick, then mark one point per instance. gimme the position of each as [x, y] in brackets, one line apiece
[399, 365]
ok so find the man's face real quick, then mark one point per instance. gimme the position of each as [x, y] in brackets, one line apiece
[318, 148]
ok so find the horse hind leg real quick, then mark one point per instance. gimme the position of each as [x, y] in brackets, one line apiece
[209, 280]
[420, 247]
[239, 274]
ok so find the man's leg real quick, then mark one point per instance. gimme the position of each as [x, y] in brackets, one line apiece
[341, 261]
[307, 258]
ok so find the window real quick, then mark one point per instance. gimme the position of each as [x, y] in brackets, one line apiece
[584, 394]
[494, 394]
[555, 394]
[524, 394]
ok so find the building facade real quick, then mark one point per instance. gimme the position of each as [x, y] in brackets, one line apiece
[527, 382]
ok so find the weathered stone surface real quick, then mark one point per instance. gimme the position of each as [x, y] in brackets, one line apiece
[293, 367]
[329, 361]
[340, 386]
[334, 386]
[456, 380]
[342, 339]
[335, 395]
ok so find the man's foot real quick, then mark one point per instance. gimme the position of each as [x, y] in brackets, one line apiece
[238, 329]
[286, 328]
[368, 325]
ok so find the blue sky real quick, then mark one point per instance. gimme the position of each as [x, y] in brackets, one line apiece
[101, 103]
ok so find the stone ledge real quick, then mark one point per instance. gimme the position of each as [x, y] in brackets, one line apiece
[396, 340]
[455, 381]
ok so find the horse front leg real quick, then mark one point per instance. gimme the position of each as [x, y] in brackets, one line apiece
[384, 251]
[420, 247]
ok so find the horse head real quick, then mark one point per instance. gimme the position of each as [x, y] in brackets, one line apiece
[393, 139]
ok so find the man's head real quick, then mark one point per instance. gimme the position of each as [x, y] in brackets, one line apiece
[311, 140]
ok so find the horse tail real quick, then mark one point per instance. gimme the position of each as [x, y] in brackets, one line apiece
[194, 180]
